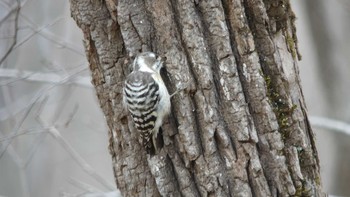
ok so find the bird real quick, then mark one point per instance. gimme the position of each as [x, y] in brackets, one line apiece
[147, 99]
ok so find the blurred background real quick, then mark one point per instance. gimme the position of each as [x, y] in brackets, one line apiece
[53, 136]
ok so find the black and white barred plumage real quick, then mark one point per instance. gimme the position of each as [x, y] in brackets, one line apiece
[147, 98]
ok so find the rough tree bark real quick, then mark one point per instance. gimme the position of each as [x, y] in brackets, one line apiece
[240, 128]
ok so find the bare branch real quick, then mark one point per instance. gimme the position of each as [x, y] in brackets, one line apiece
[71, 115]
[36, 99]
[48, 35]
[25, 132]
[86, 187]
[85, 166]
[54, 78]
[15, 33]
[331, 124]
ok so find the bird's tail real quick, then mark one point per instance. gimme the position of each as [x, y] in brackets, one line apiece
[147, 143]
[154, 144]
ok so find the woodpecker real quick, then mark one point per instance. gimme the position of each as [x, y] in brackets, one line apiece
[146, 98]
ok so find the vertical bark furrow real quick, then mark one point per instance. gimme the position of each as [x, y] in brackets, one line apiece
[135, 26]
[249, 68]
[279, 67]
[186, 139]
[274, 67]
[298, 133]
[162, 171]
[233, 107]
[257, 180]
[295, 127]
[186, 182]
[292, 155]
[208, 167]
[176, 65]
[270, 142]
[250, 76]
[133, 169]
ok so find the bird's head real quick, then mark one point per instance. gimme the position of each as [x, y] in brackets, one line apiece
[147, 62]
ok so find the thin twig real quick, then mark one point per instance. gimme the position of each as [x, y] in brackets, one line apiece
[51, 77]
[84, 186]
[36, 31]
[26, 132]
[83, 164]
[51, 37]
[331, 124]
[15, 33]
[38, 141]
[34, 101]
[71, 115]
[8, 14]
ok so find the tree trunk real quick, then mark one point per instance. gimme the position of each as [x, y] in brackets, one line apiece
[240, 127]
